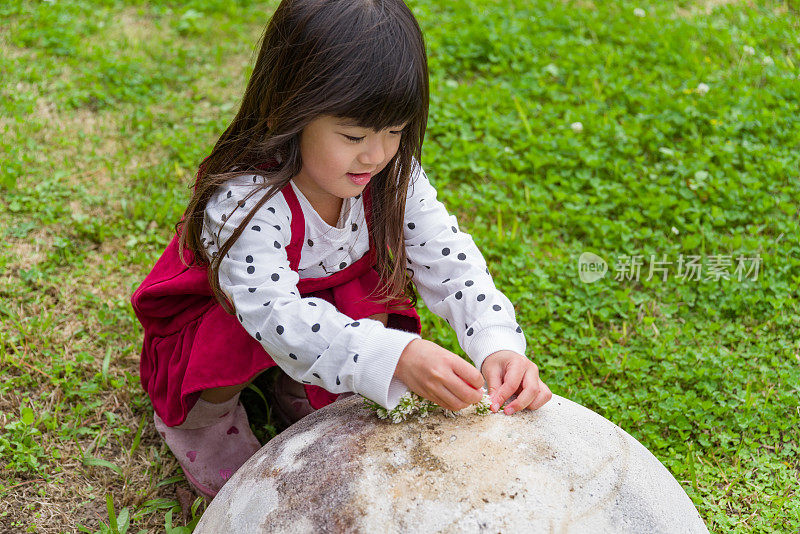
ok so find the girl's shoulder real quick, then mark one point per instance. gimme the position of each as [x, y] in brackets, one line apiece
[419, 186]
[244, 191]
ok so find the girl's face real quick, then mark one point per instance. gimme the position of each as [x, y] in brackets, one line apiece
[332, 149]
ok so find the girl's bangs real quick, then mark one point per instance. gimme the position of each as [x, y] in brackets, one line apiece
[387, 90]
[382, 101]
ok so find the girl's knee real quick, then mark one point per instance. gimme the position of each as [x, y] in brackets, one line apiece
[223, 394]
[220, 395]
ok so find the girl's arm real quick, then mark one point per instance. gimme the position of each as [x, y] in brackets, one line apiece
[453, 280]
[452, 277]
[307, 337]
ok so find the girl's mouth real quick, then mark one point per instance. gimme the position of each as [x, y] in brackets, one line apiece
[359, 179]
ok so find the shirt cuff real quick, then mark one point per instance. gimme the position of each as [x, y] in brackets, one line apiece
[494, 338]
[378, 356]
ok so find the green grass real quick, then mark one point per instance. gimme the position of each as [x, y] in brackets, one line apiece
[108, 107]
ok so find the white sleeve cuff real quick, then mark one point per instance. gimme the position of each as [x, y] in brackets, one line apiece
[378, 356]
[396, 390]
[494, 338]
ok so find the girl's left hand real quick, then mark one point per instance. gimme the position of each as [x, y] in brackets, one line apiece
[507, 373]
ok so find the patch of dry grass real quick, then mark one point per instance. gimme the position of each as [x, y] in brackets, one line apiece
[67, 322]
[705, 7]
[75, 492]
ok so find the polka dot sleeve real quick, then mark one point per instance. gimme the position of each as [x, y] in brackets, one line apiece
[308, 338]
[452, 277]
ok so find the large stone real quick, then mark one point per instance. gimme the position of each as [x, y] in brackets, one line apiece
[562, 468]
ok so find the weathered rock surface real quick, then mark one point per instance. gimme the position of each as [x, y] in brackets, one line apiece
[562, 469]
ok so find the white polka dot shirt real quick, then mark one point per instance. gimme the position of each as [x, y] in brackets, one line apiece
[309, 338]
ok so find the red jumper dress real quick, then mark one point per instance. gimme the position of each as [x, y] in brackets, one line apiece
[192, 344]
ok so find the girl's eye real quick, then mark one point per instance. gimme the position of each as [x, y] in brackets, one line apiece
[353, 139]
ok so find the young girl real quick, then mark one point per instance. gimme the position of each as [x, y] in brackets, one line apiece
[311, 223]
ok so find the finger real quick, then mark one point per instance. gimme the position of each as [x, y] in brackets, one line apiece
[494, 378]
[450, 399]
[528, 392]
[511, 381]
[435, 391]
[462, 390]
[544, 395]
[467, 372]
[431, 396]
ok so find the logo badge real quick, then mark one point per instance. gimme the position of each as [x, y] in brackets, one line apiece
[591, 267]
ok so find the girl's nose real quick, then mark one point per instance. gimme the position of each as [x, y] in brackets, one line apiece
[374, 153]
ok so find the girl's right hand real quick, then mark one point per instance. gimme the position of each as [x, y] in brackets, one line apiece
[438, 375]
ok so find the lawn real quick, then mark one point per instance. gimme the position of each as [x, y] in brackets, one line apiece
[659, 136]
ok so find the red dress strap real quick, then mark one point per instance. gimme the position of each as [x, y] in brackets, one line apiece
[298, 227]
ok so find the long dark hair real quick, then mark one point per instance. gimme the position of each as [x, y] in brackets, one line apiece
[358, 59]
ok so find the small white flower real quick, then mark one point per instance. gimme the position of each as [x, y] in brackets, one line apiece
[768, 61]
[749, 50]
[675, 231]
[702, 88]
[410, 404]
[552, 69]
[508, 149]
[577, 127]
[639, 12]
[483, 407]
